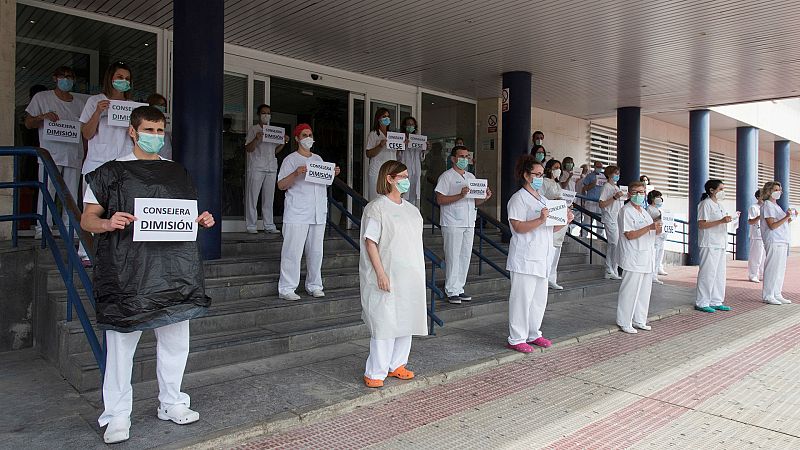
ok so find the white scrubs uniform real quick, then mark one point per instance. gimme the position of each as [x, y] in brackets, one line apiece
[610, 214]
[373, 139]
[392, 317]
[304, 214]
[777, 244]
[633, 301]
[458, 230]
[528, 257]
[755, 264]
[67, 156]
[262, 173]
[712, 243]
[552, 191]
[413, 158]
[660, 240]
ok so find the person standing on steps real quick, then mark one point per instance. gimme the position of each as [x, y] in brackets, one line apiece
[133, 290]
[551, 189]
[413, 159]
[654, 203]
[262, 173]
[638, 232]
[304, 215]
[458, 214]
[777, 237]
[755, 263]
[528, 257]
[591, 186]
[610, 204]
[712, 223]
[391, 276]
[377, 151]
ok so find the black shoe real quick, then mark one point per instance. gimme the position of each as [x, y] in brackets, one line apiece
[455, 300]
[464, 297]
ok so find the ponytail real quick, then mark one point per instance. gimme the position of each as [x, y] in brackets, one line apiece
[710, 184]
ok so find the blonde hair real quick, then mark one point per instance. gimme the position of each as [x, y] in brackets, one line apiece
[766, 191]
[392, 168]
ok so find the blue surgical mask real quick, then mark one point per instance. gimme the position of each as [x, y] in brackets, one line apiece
[386, 121]
[597, 171]
[150, 143]
[536, 183]
[403, 185]
[462, 163]
[65, 84]
[121, 85]
[539, 157]
[638, 199]
[659, 202]
[410, 128]
[615, 178]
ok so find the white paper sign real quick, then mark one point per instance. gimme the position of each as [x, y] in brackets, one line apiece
[164, 219]
[477, 188]
[600, 180]
[168, 125]
[320, 172]
[557, 213]
[395, 142]
[119, 112]
[667, 223]
[62, 131]
[568, 196]
[417, 142]
[274, 135]
[734, 223]
[624, 190]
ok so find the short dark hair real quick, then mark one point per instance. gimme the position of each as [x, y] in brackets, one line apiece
[758, 194]
[263, 105]
[652, 196]
[537, 132]
[149, 113]
[457, 148]
[156, 97]
[62, 71]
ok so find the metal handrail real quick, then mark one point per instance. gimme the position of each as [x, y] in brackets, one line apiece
[435, 261]
[72, 264]
[685, 236]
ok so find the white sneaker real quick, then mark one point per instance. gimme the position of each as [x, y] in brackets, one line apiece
[784, 301]
[642, 326]
[117, 430]
[289, 296]
[657, 281]
[272, 231]
[629, 330]
[250, 231]
[555, 286]
[754, 279]
[180, 414]
[772, 301]
[612, 276]
[662, 272]
[317, 294]
[37, 233]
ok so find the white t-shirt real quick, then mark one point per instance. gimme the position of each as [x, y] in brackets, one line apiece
[461, 213]
[780, 235]
[528, 253]
[263, 157]
[716, 236]
[637, 254]
[753, 213]
[373, 139]
[305, 202]
[88, 195]
[109, 143]
[611, 212]
[64, 153]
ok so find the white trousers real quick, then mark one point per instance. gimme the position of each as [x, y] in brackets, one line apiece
[457, 256]
[755, 264]
[552, 275]
[612, 249]
[372, 187]
[259, 182]
[711, 277]
[299, 238]
[633, 301]
[658, 256]
[172, 350]
[774, 271]
[526, 304]
[386, 355]
[72, 177]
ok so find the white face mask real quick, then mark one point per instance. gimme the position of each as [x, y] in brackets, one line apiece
[265, 118]
[776, 195]
[720, 196]
[538, 142]
[307, 142]
[556, 173]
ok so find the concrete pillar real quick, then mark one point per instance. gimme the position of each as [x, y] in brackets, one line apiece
[783, 164]
[699, 129]
[8, 51]
[628, 143]
[746, 179]
[197, 118]
[515, 134]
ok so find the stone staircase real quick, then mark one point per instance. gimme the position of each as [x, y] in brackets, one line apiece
[247, 321]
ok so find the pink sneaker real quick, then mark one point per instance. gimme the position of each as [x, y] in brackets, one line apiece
[522, 347]
[541, 342]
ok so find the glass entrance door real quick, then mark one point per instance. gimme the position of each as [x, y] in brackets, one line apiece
[397, 111]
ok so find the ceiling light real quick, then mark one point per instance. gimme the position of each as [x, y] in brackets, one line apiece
[32, 21]
[146, 44]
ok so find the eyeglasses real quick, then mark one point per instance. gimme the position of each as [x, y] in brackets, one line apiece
[400, 177]
[536, 174]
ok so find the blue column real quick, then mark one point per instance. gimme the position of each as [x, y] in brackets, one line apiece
[197, 106]
[746, 180]
[782, 164]
[628, 149]
[699, 121]
[516, 133]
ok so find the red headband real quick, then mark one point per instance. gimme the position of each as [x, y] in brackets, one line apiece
[299, 128]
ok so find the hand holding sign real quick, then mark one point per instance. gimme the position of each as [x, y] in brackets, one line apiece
[557, 210]
[417, 142]
[166, 219]
[319, 172]
[395, 142]
[273, 135]
[478, 189]
[119, 114]
[62, 131]
[568, 196]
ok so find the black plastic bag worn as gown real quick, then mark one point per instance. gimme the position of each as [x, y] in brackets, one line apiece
[144, 285]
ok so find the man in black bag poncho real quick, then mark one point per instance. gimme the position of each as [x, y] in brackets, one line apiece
[143, 285]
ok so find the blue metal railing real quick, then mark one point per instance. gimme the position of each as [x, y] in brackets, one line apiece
[68, 263]
[436, 262]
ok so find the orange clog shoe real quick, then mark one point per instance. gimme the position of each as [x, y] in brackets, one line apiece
[370, 383]
[402, 373]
